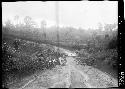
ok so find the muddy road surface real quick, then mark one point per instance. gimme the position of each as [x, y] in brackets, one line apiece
[70, 75]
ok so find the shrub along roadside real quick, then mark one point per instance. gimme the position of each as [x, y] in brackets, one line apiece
[107, 57]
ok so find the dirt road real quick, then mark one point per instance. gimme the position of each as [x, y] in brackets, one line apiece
[71, 75]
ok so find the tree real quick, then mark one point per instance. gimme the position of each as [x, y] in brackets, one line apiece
[100, 26]
[43, 27]
[16, 18]
[29, 22]
[8, 23]
[110, 27]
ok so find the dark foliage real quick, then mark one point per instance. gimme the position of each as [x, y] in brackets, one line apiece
[23, 58]
[113, 44]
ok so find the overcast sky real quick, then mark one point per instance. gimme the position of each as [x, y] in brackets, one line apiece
[85, 14]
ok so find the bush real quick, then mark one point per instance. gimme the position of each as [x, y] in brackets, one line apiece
[109, 57]
[113, 43]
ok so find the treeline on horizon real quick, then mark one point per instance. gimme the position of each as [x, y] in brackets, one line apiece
[68, 36]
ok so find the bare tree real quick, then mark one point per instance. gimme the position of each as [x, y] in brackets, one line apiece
[29, 22]
[16, 18]
[43, 27]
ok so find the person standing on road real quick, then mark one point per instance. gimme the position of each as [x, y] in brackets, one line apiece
[63, 60]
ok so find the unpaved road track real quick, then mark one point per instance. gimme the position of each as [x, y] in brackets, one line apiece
[70, 76]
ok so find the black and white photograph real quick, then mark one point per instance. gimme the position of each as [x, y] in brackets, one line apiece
[59, 44]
